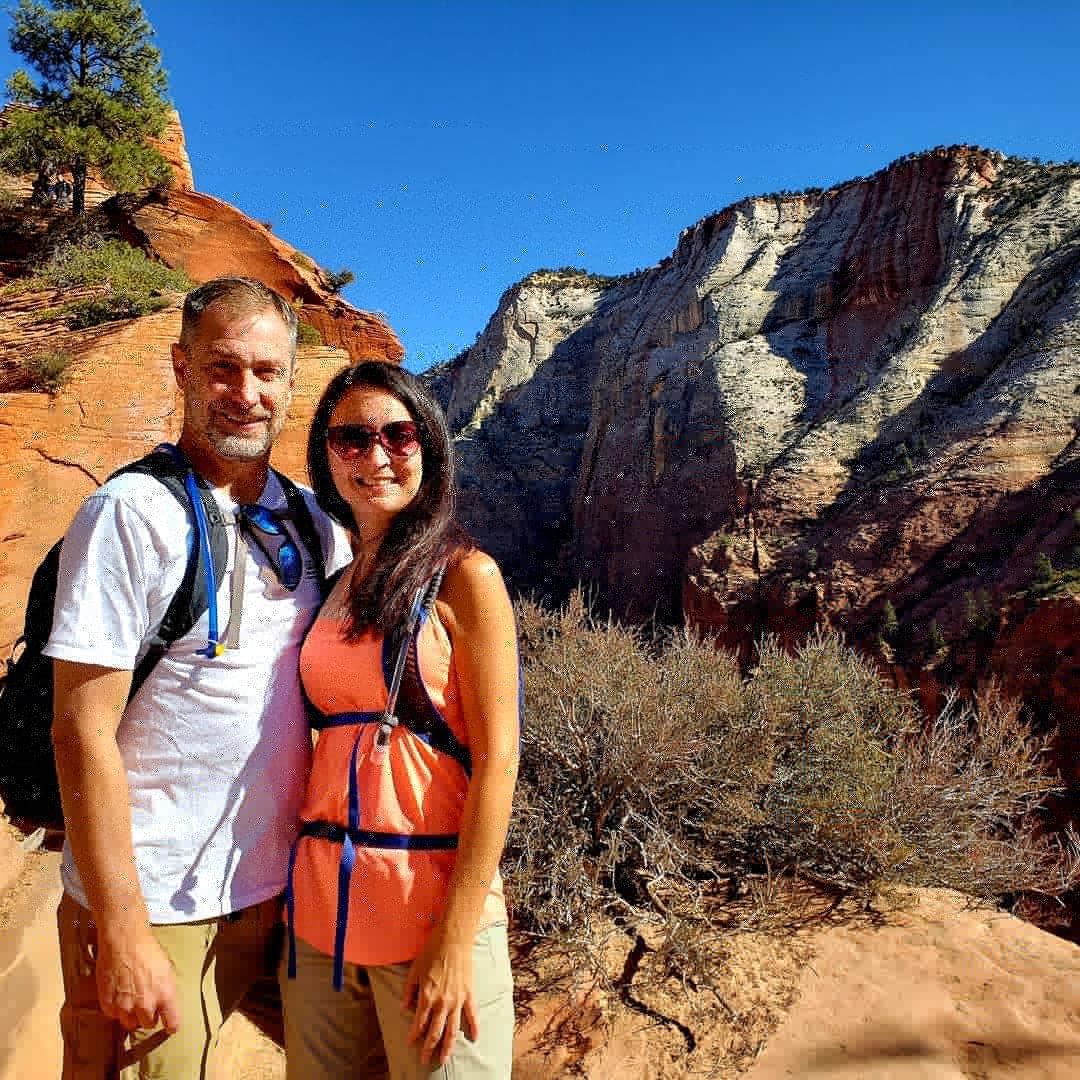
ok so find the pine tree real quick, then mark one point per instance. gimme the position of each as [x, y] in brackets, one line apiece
[1043, 571]
[100, 94]
[889, 622]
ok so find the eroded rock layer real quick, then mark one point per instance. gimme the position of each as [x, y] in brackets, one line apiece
[818, 405]
[119, 398]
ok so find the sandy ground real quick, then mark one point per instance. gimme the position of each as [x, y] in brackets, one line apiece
[30, 987]
[29, 967]
[932, 991]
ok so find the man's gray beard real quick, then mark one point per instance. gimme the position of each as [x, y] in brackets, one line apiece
[238, 448]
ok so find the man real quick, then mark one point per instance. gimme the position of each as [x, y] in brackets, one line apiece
[181, 805]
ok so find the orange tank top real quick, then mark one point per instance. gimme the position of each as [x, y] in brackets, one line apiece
[370, 872]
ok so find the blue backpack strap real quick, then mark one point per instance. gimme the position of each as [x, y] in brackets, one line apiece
[401, 669]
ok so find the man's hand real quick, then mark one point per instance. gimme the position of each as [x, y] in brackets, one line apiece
[136, 983]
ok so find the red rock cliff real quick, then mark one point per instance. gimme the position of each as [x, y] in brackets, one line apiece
[122, 400]
[817, 404]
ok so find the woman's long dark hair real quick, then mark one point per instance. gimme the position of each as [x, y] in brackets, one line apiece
[422, 536]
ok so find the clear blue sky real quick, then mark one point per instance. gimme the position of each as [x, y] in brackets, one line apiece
[444, 150]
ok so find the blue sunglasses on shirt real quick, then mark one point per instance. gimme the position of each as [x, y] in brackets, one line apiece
[286, 561]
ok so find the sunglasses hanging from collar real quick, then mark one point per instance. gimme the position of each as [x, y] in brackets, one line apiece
[258, 522]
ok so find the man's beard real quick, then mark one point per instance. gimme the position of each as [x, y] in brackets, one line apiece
[236, 447]
[239, 448]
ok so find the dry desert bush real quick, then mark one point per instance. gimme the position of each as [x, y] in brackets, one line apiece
[658, 783]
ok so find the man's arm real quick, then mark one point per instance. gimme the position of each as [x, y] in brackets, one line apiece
[135, 979]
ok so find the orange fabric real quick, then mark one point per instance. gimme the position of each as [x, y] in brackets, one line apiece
[395, 896]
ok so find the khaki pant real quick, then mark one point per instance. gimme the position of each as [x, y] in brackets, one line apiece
[216, 961]
[361, 1030]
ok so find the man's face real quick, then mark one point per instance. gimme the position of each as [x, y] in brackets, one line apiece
[237, 378]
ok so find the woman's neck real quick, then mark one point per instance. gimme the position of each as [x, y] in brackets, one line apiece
[365, 549]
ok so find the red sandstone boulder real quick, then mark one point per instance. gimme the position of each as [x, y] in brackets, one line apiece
[206, 238]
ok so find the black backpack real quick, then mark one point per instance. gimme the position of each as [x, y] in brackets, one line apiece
[28, 783]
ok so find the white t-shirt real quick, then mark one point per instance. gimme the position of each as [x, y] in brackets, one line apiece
[217, 750]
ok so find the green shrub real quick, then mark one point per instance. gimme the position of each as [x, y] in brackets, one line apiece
[336, 280]
[890, 624]
[306, 334]
[655, 778]
[829, 722]
[978, 611]
[47, 371]
[1042, 570]
[9, 199]
[570, 275]
[127, 283]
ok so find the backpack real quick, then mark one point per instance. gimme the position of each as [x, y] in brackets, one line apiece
[28, 782]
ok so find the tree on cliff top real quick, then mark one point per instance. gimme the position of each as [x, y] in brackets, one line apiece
[100, 94]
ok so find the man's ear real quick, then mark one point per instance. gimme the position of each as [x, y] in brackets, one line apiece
[179, 364]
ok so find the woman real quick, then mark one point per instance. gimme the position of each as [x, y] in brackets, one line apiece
[395, 895]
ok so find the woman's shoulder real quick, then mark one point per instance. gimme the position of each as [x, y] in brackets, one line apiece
[471, 565]
[472, 590]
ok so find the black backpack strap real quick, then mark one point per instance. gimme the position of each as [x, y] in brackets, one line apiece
[334, 578]
[305, 527]
[169, 467]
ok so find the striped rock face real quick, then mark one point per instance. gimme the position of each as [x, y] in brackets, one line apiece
[818, 403]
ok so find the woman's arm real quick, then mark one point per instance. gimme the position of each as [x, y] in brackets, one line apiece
[476, 611]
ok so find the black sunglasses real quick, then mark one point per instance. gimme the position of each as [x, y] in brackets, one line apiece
[399, 438]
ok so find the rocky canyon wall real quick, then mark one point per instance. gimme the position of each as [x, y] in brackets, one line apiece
[854, 407]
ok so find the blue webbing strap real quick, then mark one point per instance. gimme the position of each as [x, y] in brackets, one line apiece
[345, 867]
[344, 719]
[290, 908]
[213, 647]
[328, 830]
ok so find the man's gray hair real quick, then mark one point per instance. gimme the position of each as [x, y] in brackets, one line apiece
[240, 295]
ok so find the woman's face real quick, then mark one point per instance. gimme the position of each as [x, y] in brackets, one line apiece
[377, 482]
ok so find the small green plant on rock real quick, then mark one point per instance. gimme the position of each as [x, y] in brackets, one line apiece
[306, 334]
[890, 624]
[1042, 570]
[978, 612]
[126, 283]
[48, 371]
[336, 280]
[9, 200]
